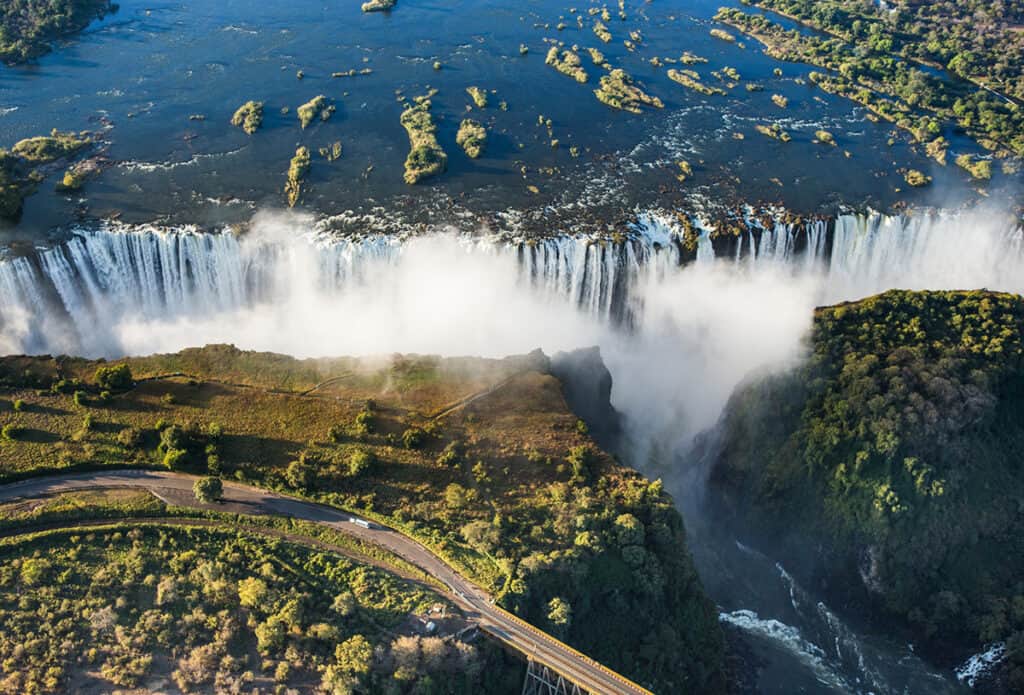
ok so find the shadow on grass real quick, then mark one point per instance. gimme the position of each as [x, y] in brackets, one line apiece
[35, 436]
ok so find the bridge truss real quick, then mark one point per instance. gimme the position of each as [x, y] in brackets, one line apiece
[540, 680]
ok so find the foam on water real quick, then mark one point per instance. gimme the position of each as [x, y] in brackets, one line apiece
[981, 664]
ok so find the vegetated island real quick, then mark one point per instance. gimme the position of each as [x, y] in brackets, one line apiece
[297, 170]
[28, 27]
[867, 69]
[480, 460]
[472, 137]
[248, 117]
[566, 62]
[691, 80]
[22, 167]
[317, 107]
[378, 5]
[426, 158]
[894, 453]
[617, 90]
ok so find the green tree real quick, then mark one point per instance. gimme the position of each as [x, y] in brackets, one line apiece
[559, 614]
[580, 458]
[299, 475]
[413, 438]
[360, 461]
[115, 378]
[208, 489]
[354, 655]
[252, 592]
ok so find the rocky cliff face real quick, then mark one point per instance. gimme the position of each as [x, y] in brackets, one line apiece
[587, 386]
[893, 454]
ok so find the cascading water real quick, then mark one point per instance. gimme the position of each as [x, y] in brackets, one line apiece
[76, 292]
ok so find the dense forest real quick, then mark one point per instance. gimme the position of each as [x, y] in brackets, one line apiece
[977, 40]
[508, 486]
[896, 449]
[27, 27]
[875, 63]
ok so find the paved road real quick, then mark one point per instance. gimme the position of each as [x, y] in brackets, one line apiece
[516, 633]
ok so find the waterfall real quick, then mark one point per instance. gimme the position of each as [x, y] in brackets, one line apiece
[104, 275]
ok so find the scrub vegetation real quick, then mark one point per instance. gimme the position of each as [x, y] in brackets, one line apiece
[216, 608]
[566, 62]
[480, 460]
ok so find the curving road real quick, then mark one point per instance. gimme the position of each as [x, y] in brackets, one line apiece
[176, 488]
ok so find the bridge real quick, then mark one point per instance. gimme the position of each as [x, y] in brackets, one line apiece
[554, 668]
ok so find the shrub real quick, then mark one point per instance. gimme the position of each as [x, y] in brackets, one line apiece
[115, 378]
[582, 428]
[299, 475]
[174, 459]
[168, 398]
[19, 405]
[10, 432]
[559, 615]
[336, 434]
[172, 437]
[360, 461]
[413, 438]
[451, 455]
[80, 399]
[130, 437]
[365, 422]
[64, 386]
[580, 458]
[208, 489]
[214, 430]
